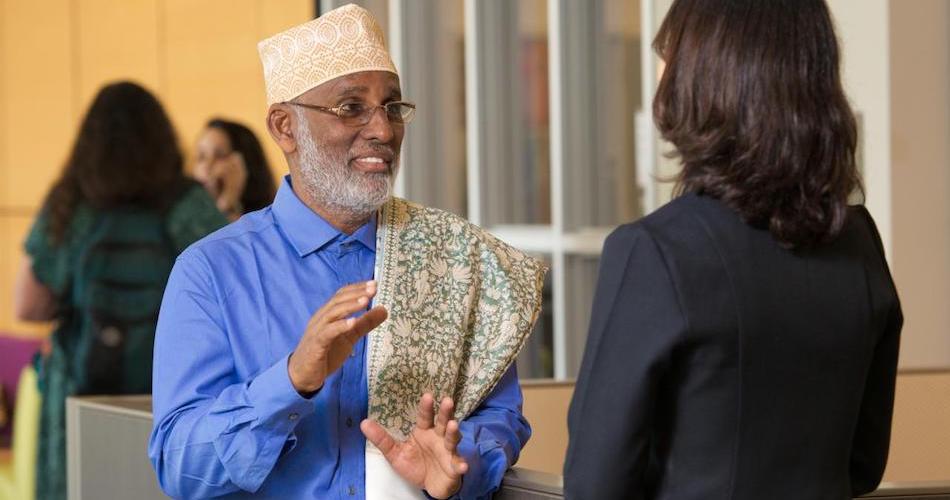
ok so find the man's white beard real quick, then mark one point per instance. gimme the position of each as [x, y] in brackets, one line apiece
[330, 181]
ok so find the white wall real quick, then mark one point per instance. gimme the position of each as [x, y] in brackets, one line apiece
[862, 27]
[920, 180]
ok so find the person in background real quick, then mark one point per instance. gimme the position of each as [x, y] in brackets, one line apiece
[98, 256]
[744, 338]
[231, 165]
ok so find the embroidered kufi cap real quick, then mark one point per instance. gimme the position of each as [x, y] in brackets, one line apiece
[342, 41]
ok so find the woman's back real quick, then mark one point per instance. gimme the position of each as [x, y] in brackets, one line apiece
[746, 362]
[108, 273]
[726, 361]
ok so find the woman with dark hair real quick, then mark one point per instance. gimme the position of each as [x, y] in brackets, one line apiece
[744, 337]
[230, 163]
[98, 257]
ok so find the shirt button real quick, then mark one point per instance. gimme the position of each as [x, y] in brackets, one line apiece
[352, 490]
[349, 421]
[293, 416]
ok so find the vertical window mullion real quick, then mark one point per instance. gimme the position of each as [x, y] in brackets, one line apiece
[397, 50]
[474, 69]
[647, 140]
[556, 54]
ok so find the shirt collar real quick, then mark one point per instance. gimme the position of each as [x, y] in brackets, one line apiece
[307, 230]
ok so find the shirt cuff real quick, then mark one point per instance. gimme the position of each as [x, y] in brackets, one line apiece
[486, 469]
[275, 400]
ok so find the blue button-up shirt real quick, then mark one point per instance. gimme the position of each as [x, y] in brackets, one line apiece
[227, 418]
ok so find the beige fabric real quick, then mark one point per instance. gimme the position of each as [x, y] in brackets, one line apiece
[383, 482]
[342, 41]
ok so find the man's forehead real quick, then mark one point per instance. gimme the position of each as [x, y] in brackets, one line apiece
[358, 84]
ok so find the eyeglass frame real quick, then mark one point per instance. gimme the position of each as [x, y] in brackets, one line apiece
[371, 112]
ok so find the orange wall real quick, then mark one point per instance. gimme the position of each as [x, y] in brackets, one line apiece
[200, 58]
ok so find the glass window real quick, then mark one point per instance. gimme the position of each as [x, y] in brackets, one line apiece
[581, 276]
[516, 180]
[432, 68]
[601, 78]
[537, 358]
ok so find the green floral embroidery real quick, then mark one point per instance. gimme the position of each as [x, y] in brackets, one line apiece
[461, 305]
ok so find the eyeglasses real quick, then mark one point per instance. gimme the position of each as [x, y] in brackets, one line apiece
[357, 114]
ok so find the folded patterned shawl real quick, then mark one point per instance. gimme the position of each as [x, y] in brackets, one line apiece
[461, 305]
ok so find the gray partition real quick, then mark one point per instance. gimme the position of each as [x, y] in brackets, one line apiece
[107, 443]
[108, 437]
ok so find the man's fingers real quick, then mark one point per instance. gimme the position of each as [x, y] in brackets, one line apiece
[362, 288]
[344, 309]
[446, 408]
[359, 285]
[340, 328]
[452, 436]
[369, 320]
[459, 465]
[352, 329]
[366, 323]
[380, 438]
[424, 414]
[347, 294]
[450, 461]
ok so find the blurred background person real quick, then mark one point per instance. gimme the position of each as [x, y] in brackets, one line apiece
[744, 337]
[98, 257]
[230, 163]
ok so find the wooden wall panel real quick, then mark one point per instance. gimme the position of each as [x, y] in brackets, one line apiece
[545, 407]
[212, 65]
[3, 105]
[118, 39]
[39, 108]
[275, 17]
[199, 57]
[13, 229]
[920, 436]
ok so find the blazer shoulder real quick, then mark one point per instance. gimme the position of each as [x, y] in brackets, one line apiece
[684, 221]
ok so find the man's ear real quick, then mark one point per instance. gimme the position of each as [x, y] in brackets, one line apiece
[281, 126]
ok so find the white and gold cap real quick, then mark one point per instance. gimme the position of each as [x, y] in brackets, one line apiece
[342, 41]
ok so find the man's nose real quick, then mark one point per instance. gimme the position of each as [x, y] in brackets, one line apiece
[379, 127]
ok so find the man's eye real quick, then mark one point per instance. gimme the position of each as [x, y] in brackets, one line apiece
[352, 109]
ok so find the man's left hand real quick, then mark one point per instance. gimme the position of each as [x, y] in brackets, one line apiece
[429, 457]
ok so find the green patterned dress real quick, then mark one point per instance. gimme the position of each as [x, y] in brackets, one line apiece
[65, 371]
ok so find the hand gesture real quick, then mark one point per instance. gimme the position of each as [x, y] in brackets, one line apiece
[429, 457]
[225, 179]
[331, 334]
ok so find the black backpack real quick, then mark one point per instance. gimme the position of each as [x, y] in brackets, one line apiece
[120, 280]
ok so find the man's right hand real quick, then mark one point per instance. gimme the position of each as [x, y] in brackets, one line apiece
[331, 335]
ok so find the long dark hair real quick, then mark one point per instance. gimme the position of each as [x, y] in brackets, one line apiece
[260, 189]
[125, 154]
[752, 100]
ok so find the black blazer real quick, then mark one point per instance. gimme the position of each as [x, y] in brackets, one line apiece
[722, 366]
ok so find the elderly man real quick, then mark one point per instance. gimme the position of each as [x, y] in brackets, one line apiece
[300, 351]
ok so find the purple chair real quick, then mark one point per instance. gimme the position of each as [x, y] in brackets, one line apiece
[15, 353]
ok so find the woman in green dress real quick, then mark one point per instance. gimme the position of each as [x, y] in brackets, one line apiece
[98, 257]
